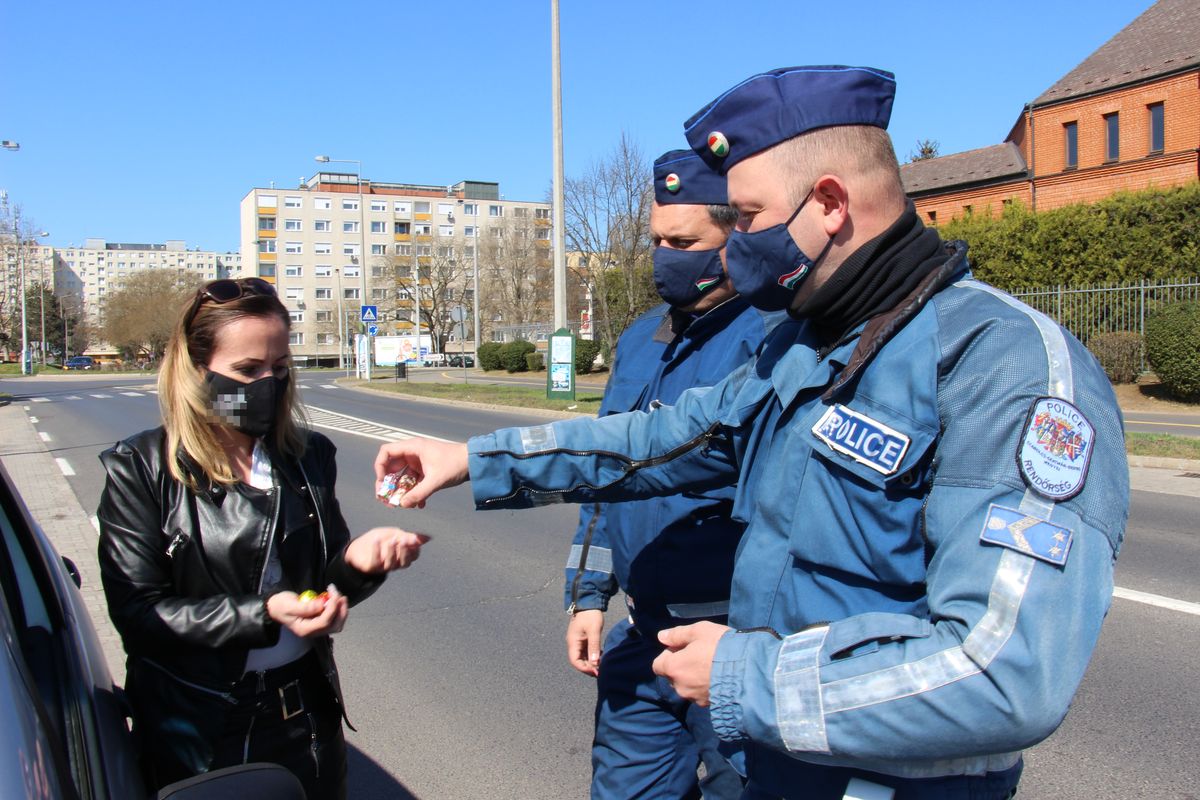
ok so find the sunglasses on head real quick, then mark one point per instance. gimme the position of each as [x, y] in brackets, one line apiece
[226, 290]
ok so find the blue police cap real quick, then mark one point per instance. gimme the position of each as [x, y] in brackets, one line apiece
[680, 176]
[767, 109]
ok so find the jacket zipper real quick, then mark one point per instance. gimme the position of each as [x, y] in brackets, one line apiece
[223, 695]
[633, 465]
[583, 555]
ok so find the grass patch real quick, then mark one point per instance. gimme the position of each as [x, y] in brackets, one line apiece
[1162, 445]
[14, 368]
[586, 402]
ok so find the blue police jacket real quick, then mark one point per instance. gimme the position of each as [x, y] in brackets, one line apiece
[673, 556]
[931, 532]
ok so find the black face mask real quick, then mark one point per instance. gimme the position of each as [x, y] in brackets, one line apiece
[249, 407]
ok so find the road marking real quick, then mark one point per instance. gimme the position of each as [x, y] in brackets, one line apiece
[1167, 424]
[101, 396]
[96, 523]
[41, 399]
[25, 407]
[1158, 600]
[64, 466]
[72, 397]
[133, 394]
[333, 420]
[34, 420]
[328, 386]
[45, 436]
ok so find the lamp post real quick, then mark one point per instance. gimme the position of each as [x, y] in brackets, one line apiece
[474, 275]
[362, 239]
[42, 300]
[24, 312]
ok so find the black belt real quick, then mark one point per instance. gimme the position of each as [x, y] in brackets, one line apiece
[281, 687]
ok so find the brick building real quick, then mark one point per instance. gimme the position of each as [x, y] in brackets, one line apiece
[1126, 118]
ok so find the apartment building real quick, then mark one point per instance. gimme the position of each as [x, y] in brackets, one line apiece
[339, 241]
[1126, 118]
[91, 272]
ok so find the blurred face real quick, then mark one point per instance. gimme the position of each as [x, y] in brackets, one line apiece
[680, 226]
[251, 348]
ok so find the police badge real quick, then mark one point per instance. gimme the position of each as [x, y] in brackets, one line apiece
[1055, 448]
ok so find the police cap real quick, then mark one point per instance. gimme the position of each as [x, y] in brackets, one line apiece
[680, 176]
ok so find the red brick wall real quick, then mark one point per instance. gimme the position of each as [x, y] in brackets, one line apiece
[986, 200]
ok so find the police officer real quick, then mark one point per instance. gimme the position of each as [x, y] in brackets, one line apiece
[933, 474]
[673, 556]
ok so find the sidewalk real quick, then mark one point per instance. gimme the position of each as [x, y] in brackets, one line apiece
[53, 504]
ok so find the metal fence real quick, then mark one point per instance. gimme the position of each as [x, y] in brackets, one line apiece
[1089, 310]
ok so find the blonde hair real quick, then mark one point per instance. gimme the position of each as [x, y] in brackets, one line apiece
[183, 395]
[861, 152]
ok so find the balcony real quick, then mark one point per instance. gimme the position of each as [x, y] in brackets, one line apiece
[266, 233]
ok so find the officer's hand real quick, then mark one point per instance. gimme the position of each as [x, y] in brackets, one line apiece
[583, 640]
[437, 465]
[384, 549]
[687, 661]
[316, 617]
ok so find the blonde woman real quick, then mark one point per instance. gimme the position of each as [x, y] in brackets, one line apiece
[212, 529]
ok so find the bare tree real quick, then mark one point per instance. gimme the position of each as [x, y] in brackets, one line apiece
[607, 218]
[18, 244]
[926, 149]
[139, 316]
[515, 276]
[444, 273]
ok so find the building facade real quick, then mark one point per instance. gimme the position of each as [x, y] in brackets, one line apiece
[339, 242]
[1127, 118]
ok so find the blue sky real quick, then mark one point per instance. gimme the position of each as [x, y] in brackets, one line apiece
[141, 122]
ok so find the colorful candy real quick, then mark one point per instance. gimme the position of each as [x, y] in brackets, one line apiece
[395, 485]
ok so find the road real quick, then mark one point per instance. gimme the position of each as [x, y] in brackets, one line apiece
[455, 673]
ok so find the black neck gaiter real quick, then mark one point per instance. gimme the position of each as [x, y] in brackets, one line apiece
[874, 278]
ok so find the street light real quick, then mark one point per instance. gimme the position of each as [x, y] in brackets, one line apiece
[475, 275]
[9, 144]
[42, 299]
[362, 234]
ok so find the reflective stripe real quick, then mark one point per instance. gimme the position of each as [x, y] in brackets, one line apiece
[697, 610]
[1061, 381]
[1034, 505]
[798, 704]
[599, 559]
[538, 439]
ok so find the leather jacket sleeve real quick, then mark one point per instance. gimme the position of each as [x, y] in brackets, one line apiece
[135, 555]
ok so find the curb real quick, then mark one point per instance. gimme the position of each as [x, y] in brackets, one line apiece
[463, 403]
[1157, 462]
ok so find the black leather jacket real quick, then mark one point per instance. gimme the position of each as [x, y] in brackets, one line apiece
[182, 569]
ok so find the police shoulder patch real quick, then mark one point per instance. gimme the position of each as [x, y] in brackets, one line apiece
[1055, 449]
[865, 440]
[1034, 537]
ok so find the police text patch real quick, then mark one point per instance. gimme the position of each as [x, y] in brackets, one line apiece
[1056, 448]
[1035, 537]
[865, 440]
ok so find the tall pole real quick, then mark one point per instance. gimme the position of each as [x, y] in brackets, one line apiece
[475, 281]
[363, 369]
[42, 306]
[417, 288]
[341, 324]
[560, 264]
[24, 312]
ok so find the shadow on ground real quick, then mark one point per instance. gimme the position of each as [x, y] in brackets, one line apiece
[369, 781]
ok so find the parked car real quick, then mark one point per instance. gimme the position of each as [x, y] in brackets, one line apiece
[458, 359]
[80, 362]
[434, 360]
[63, 731]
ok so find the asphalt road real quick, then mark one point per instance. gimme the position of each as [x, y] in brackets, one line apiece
[455, 673]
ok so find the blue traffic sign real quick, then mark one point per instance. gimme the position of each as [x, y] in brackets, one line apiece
[372, 330]
[369, 314]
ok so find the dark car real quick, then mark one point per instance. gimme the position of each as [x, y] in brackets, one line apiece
[458, 361]
[63, 731]
[80, 362]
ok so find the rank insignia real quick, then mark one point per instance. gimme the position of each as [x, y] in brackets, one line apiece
[718, 144]
[1034, 537]
[1055, 449]
[865, 440]
[672, 182]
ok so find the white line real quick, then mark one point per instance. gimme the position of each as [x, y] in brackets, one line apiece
[328, 386]
[41, 399]
[95, 523]
[102, 396]
[45, 436]
[26, 407]
[65, 467]
[1169, 603]
[34, 420]
[72, 397]
[133, 394]
[346, 422]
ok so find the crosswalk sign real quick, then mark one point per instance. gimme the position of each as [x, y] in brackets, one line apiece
[369, 314]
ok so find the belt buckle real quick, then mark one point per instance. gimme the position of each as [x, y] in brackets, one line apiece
[291, 703]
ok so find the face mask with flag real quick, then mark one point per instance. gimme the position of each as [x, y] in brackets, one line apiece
[684, 276]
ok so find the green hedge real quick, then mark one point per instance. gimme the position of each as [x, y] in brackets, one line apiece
[1173, 349]
[1119, 353]
[534, 362]
[489, 356]
[586, 351]
[1152, 235]
[512, 355]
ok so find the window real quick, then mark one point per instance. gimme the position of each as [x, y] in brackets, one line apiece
[267, 201]
[378, 226]
[1156, 127]
[379, 205]
[471, 209]
[321, 226]
[350, 294]
[295, 337]
[402, 207]
[968, 209]
[497, 233]
[445, 230]
[264, 271]
[424, 229]
[404, 249]
[293, 271]
[541, 213]
[1112, 136]
[292, 202]
[349, 205]
[322, 203]
[445, 208]
[266, 245]
[379, 294]
[378, 249]
[323, 271]
[293, 248]
[292, 225]
[495, 211]
[296, 316]
[542, 234]
[351, 272]
[266, 223]
[378, 272]
[323, 248]
[445, 252]
[421, 207]
[294, 293]
[350, 226]
[933, 218]
[402, 228]
[469, 251]
[424, 250]
[520, 212]
[350, 250]
[1071, 142]
[325, 316]
[324, 338]
[470, 232]
[323, 294]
